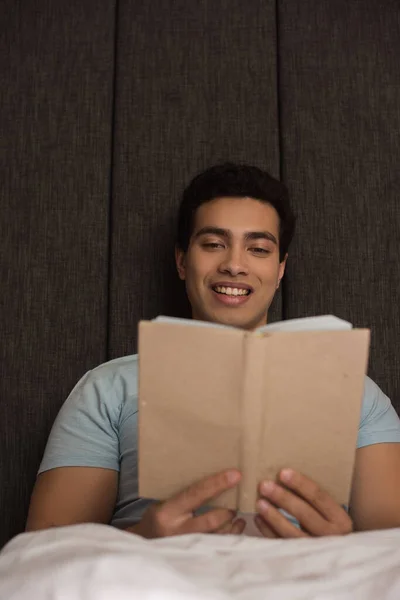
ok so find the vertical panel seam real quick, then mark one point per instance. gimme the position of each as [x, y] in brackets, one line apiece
[280, 134]
[111, 184]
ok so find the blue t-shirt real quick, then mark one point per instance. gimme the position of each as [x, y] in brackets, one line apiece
[97, 427]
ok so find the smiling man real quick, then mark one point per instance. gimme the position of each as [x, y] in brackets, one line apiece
[234, 230]
[231, 266]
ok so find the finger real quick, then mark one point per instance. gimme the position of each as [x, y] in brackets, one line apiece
[209, 522]
[225, 529]
[263, 528]
[308, 517]
[316, 497]
[235, 528]
[238, 527]
[279, 524]
[201, 493]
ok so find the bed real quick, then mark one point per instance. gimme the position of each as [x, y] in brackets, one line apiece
[88, 562]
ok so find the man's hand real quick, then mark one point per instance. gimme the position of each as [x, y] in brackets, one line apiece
[317, 513]
[175, 516]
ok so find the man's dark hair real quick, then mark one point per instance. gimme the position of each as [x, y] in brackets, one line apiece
[232, 180]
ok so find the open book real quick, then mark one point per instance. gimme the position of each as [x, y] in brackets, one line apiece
[213, 397]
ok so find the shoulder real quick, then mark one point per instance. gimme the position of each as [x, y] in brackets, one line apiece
[379, 421]
[86, 431]
[119, 375]
[374, 400]
[110, 387]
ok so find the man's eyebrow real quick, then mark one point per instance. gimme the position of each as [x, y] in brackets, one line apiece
[212, 231]
[250, 235]
[261, 235]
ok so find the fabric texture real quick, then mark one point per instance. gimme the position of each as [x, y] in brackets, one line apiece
[339, 92]
[97, 427]
[85, 562]
[55, 130]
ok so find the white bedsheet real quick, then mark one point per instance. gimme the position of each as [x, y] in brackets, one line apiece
[88, 562]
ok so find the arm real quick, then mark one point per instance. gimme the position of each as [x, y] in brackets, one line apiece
[375, 499]
[78, 481]
[69, 495]
[78, 477]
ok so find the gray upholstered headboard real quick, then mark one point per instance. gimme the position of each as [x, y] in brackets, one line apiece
[109, 108]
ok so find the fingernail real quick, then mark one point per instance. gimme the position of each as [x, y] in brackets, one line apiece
[267, 487]
[263, 505]
[233, 477]
[286, 475]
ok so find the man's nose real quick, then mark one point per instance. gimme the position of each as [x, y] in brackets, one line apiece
[234, 263]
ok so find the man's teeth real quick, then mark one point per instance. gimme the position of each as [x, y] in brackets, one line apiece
[231, 291]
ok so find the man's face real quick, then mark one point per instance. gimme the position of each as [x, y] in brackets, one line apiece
[231, 268]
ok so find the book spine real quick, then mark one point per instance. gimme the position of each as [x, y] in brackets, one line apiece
[252, 419]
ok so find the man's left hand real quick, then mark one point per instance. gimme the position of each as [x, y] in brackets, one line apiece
[317, 513]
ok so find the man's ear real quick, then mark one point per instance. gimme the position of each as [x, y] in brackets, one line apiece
[281, 271]
[180, 260]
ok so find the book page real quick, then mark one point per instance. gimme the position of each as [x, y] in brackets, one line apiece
[191, 322]
[319, 323]
[190, 381]
[314, 384]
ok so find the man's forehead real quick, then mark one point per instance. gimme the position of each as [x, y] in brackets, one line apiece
[238, 215]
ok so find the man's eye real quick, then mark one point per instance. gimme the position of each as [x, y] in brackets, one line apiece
[261, 251]
[212, 245]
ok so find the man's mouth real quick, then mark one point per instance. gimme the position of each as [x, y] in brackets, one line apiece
[232, 294]
[231, 291]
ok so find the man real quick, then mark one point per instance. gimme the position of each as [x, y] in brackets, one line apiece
[234, 231]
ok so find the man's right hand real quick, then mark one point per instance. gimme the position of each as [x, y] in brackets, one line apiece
[175, 516]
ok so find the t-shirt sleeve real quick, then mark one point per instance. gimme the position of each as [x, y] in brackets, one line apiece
[85, 432]
[379, 421]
